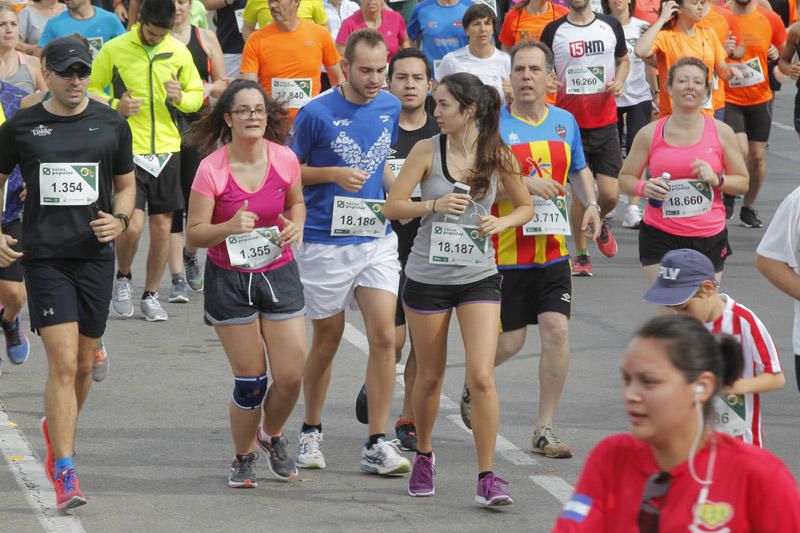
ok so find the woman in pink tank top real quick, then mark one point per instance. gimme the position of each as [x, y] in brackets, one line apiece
[703, 160]
[247, 208]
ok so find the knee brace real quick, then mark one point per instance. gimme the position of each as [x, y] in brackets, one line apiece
[249, 392]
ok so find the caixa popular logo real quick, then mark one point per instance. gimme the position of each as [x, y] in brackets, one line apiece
[586, 48]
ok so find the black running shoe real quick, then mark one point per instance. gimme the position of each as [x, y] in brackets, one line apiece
[749, 217]
[730, 202]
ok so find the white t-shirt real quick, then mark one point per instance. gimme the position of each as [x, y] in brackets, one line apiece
[492, 70]
[636, 88]
[335, 18]
[781, 242]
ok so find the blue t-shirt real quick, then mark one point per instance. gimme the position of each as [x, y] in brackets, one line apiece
[10, 98]
[330, 131]
[440, 27]
[98, 30]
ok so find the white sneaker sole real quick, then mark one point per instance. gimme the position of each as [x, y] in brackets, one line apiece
[318, 465]
[497, 502]
[402, 468]
[421, 494]
[178, 299]
[156, 318]
[126, 315]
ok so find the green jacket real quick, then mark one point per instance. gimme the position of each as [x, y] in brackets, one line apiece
[124, 64]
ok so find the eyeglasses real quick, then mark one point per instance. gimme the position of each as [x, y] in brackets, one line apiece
[245, 113]
[650, 511]
[66, 74]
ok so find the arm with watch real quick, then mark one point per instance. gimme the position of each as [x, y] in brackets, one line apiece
[109, 226]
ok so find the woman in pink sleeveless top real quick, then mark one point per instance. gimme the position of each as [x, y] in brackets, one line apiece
[703, 160]
[247, 208]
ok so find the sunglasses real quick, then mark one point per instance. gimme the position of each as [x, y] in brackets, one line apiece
[66, 74]
[655, 489]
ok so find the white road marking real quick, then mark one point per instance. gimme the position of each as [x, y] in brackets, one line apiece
[782, 126]
[30, 476]
[504, 447]
[556, 486]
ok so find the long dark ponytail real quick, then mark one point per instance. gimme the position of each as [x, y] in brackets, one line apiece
[492, 154]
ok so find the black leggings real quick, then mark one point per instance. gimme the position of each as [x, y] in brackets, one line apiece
[635, 117]
[190, 160]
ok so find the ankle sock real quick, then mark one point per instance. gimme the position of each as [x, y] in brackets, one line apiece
[484, 474]
[429, 454]
[373, 439]
[120, 275]
[307, 428]
[585, 251]
[145, 294]
[64, 462]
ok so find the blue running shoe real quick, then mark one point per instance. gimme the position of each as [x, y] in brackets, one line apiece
[17, 346]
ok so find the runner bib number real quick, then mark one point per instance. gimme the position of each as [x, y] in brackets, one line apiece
[254, 250]
[357, 217]
[730, 414]
[95, 44]
[585, 80]
[549, 217]
[291, 92]
[68, 183]
[239, 13]
[751, 74]
[153, 164]
[396, 165]
[454, 244]
[687, 198]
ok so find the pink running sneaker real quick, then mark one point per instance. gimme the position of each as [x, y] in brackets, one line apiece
[68, 490]
[490, 494]
[421, 481]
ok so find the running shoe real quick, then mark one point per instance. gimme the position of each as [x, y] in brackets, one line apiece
[421, 481]
[280, 464]
[179, 293]
[17, 346]
[730, 203]
[100, 367]
[466, 408]
[384, 459]
[243, 472]
[151, 307]
[362, 408]
[749, 217]
[68, 490]
[192, 268]
[606, 242]
[50, 458]
[406, 432]
[122, 296]
[490, 493]
[547, 442]
[633, 217]
[309, 450]
[582, 266]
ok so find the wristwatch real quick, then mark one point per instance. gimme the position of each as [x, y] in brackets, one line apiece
[124, 219]
[594, 204]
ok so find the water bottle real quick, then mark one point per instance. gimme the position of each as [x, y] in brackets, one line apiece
[658, 203]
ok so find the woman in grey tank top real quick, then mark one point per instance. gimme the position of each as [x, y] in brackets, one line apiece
[452, 264]
[16, 68]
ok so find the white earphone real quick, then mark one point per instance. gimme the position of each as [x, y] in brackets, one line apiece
[699, 389]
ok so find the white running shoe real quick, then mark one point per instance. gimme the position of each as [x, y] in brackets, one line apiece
[122, 297]
[633, 217]
[384, 459]
[151, 307]
[309, 450]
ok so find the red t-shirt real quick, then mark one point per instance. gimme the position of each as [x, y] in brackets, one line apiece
[752, 490]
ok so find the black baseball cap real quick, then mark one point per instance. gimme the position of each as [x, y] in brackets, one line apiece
[62, 53]
[680, 275]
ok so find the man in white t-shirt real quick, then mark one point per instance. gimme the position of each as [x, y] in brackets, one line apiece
[778, 259]
[480, 57]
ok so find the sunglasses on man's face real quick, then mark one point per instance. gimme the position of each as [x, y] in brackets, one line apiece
[650, 511]
[66, 74]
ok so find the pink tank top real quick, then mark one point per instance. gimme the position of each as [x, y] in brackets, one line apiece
[214, 180]
[677, 161]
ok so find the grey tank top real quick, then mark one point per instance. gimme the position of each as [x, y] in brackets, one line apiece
[22, 77]
[437, 184]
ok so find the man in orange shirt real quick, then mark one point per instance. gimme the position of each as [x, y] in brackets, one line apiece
[527, 20]
[286, 56]
[720, 20]
[747, 99]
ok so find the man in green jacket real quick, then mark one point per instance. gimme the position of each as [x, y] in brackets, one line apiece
[149, 75]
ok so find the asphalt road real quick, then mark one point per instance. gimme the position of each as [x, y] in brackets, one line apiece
[153, 445]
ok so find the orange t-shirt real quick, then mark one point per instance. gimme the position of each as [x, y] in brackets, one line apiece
[671, 45]
[288, 64]
[760, 29]
[520, 24]
[721, 21]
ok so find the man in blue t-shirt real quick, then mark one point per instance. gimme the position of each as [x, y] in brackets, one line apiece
[97, 25]
[349, 253]
[437, 23]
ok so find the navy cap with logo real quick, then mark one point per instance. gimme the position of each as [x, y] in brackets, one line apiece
[62, 53]
[680, 275]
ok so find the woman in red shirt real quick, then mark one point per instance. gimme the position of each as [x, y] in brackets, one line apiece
[672, 472]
